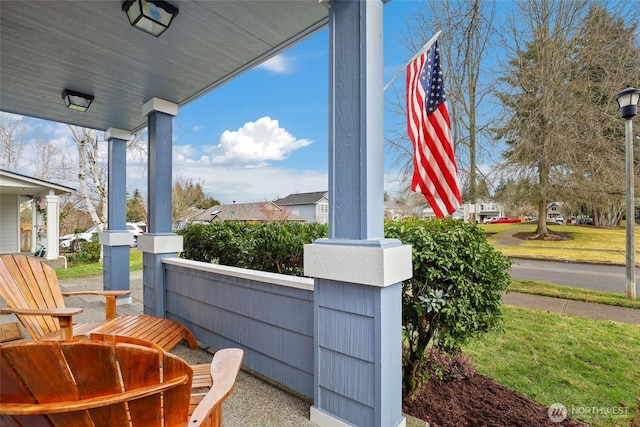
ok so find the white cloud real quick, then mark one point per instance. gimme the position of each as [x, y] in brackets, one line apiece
[242, 184]
[281, 64]
[256, 143]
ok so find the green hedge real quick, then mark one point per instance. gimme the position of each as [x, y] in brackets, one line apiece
[275, 246]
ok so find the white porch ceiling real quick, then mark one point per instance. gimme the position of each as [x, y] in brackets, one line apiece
[89, 47]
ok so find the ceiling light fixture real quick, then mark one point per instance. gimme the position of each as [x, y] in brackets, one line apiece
[150, 16]
[76, 100]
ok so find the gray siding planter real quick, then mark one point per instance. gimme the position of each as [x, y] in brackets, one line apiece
[269, 316]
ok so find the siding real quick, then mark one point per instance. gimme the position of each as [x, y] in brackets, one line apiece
[9, 224]
[269, 316]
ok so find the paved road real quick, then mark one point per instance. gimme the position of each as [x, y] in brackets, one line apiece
[591, 276]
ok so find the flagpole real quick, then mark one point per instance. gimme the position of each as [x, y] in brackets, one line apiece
[425, 47]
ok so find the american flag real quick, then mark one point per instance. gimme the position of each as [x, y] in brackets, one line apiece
[435, 173]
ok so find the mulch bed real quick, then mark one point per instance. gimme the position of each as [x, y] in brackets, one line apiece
[479, 401]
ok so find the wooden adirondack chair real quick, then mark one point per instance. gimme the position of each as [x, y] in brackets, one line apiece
[31, 290]
[97, 383]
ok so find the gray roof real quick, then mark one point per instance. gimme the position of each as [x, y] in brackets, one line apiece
[301, 198]
[260, 211]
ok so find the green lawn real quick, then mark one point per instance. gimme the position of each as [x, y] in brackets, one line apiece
[580, 363]
[587, 244]
[572, 293]
[80, 270]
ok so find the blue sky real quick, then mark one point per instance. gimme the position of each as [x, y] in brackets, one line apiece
[264, 134]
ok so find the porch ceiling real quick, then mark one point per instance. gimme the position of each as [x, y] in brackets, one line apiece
[89, 47]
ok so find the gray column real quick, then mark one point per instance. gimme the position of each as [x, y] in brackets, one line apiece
[358, 273]
[116, 240]
[158, 242]
[356, 131]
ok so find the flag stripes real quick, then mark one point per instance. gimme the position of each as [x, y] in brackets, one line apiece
[429, 127]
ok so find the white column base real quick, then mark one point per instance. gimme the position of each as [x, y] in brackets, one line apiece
[123, 301]
[371, 266]
[324, 419]
[115, 238]
[160, 244]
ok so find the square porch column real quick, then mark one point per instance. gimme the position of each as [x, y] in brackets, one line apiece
[357, 272]
[159, 241]
[117, 240]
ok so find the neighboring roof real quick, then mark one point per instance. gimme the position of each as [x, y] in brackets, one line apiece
[260, 211]
[301, 198]
[15, 183]
[90, 47]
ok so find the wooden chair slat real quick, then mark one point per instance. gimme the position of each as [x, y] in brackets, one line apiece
[176, 405]
[14, 390]
[91, 382]
[46, 294]
[30, 421]
[140, 368]
[12, 290]
[82, 358]
[43, 360]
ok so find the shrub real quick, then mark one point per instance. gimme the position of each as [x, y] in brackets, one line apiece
[274, 246]
[448, 367]
[89, 251]
[454, 294]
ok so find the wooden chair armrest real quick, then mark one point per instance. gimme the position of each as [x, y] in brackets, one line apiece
[53, 312]
[110, 299]
[225, 366]
[90, 403]
[64, 316]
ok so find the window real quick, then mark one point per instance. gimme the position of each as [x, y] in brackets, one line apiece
[324, 208]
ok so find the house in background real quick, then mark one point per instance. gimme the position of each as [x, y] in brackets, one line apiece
[43, 229]
[247, 212]
[483, 210]
[395, 210]
[554, 210]
[313, 207]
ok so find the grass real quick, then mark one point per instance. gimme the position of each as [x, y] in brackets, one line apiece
[584, 364]
[587, 244]
[571, 293]
[80, 270]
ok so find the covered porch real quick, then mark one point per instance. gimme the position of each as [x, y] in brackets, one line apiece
[349, 357]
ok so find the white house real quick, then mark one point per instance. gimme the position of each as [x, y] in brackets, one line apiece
[17, 189]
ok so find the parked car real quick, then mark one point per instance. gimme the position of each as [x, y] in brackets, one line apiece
[504, 220]
[584, 221]
[486, 220]
[136, 230]
[73, 241]
[559, 219]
